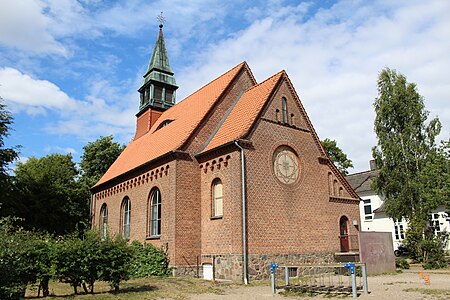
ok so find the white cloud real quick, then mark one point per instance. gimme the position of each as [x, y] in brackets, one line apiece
[33, 94]
[24, 26]
[334, 57]
[65, 150]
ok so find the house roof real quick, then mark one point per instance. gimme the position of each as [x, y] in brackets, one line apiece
[242, 116]
[362, 182]
[185, 116]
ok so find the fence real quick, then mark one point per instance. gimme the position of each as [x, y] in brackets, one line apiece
[335, 278]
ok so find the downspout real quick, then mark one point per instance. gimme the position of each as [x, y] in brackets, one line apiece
[244, 214]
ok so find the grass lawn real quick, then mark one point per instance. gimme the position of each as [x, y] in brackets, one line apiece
[142, 288]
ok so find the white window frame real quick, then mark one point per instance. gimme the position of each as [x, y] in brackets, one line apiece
[104, 221]
[217, 198]
[155, 212]
[126, 218]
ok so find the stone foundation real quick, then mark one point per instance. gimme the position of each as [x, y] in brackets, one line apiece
[230, 267]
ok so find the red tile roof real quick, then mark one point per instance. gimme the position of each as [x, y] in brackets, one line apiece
[245, 113]
[186, 116]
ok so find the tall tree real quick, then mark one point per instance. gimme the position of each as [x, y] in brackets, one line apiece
[98, 156]
[337, 156]
[405, 146]
[51, 195]
[7, 156]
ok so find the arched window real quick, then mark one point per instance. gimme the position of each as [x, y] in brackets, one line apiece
[330, 183]
[284, 110]
[104, 221]
[155, 213]
[126, 216]
[217, 198]
[335, 188]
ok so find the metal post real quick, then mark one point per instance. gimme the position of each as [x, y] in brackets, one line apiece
[351, 267]
[272, 277]
[354, 292]
[286, 275]
[364, 275]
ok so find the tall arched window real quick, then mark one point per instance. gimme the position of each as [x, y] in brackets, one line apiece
[104, 221]
[217, 198]
[284, 110]
[155, 213]
[126, 217]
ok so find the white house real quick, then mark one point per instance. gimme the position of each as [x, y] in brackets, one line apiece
[373, 216]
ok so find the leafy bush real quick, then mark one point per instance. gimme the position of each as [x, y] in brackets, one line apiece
[434, 254]
[148, 260]
[401, 263]
[69, 260]
[116, 261]
[25, 257]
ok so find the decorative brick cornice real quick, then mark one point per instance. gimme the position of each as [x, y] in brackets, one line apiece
[147, 177]
[161, 160]
[216, 163]
[344, 200]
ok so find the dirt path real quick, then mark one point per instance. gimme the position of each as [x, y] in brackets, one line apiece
[408, 285]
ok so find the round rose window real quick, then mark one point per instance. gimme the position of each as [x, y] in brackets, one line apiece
[285, 165]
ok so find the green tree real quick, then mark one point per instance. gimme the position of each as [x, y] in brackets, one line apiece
[98, 156]
[7, 156]
[407, 155]
[337, 156]
[50, 194]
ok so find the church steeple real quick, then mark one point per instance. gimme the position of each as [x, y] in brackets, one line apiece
[159, 85]
[158, 89]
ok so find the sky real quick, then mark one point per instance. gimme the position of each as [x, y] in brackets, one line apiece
[70, 69]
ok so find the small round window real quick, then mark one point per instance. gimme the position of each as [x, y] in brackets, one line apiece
[285, 165]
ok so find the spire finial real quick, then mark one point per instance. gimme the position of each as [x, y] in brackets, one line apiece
[161, 19]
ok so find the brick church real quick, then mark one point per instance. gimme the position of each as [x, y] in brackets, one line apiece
[228, 180]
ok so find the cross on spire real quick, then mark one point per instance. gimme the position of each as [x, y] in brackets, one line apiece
[161, 19]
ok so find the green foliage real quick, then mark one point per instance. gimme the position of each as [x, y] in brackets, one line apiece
[337, 156]
[433, 252]
[405, 146]
[69, 261]
[98, 156]
[25, 257]
[425, 246]
[148, 260]
[414, 173]
[7, 156]
[50, 195]
[401, 263]
[116, 261]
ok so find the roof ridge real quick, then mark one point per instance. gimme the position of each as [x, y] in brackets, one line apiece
[217, 78]
[262, 82]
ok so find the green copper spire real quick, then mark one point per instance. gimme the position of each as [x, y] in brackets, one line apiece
[160, 58]
[159, 85]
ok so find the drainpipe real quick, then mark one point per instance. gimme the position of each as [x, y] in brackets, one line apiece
[244, 213]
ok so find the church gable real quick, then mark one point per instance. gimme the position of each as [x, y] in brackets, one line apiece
[285, 111]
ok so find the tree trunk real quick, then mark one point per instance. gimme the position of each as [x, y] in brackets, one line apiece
[85, 288]
[44, 285]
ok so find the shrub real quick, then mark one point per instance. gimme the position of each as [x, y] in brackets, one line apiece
[25, 257]
[401, 263]
[116, 261]
[147, 260]
[69, 260]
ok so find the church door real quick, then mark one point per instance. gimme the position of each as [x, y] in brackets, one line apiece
[343, 230]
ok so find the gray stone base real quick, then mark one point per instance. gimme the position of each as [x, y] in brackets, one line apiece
[230, 267]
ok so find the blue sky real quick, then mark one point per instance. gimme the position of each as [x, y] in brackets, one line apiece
[69, 69]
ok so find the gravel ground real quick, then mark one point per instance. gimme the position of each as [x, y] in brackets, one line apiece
[392, 287]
